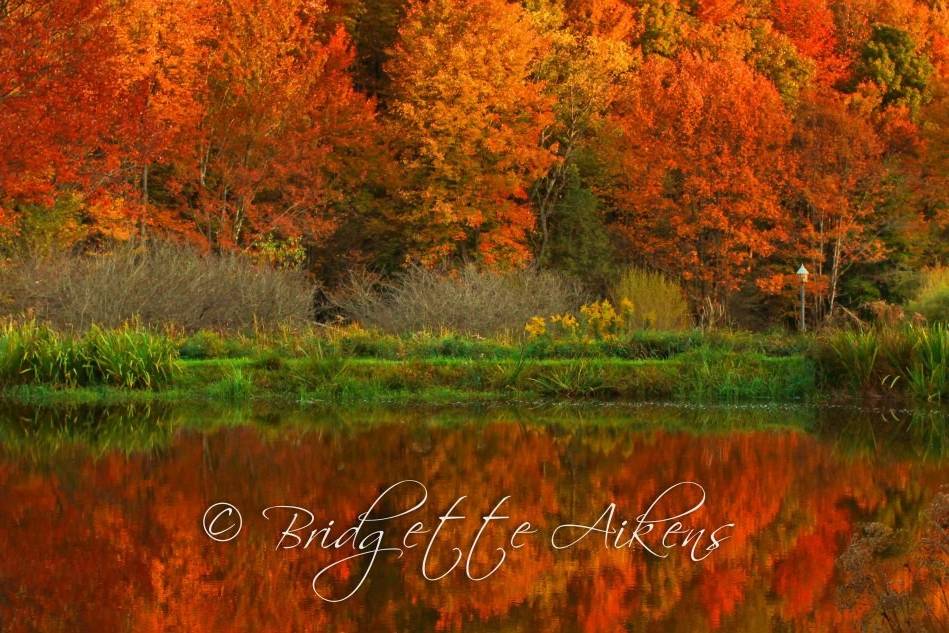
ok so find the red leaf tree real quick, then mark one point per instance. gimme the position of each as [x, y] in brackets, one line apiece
[703, 156]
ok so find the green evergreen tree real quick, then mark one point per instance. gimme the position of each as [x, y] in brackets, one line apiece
[579, 242]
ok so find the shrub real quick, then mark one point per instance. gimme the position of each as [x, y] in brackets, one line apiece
[162, 285]
[601, 320]
[470, 301]
[651, 301]
[449, 346]
[596, 321]
[932, 300]
[269, 360]
[654, 344]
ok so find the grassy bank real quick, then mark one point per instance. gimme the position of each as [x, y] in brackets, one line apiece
[351, 365]
[693, 377]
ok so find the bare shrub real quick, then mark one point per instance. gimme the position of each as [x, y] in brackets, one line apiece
[469, 301]
[162, 285]
[885, 313]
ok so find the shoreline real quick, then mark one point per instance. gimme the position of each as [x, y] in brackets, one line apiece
[729, 378]
[896, 368]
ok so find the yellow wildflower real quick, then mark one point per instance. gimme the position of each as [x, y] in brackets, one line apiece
[537, 326]
[601, 318]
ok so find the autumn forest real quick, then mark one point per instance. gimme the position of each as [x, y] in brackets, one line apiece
[721, 142]
[286, 253]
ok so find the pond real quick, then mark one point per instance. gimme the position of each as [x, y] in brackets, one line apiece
[105, 522]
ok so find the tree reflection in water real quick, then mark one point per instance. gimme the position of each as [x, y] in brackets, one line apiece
[100, 516]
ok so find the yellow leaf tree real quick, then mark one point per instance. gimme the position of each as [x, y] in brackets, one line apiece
[469, 116]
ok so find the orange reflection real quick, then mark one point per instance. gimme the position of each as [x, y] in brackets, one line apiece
[115, 544]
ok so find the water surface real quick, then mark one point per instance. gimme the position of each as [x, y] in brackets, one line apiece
[101, 515]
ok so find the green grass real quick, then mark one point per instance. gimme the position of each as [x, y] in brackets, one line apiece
[128, 357]
[351, 365]
[928, 372]
[907, 362]
[359, 343]
[711, 378]
[233, 387]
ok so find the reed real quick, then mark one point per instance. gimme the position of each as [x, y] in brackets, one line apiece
[233, 387]
[907, 360]
[928, 375]
[583, 379]
[128, 356]
[857, 352]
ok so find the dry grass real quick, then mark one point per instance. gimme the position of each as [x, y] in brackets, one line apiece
[654, 301]
[163, 285]
[470, 301]
[932, 301]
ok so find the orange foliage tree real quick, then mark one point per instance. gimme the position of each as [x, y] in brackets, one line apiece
[60, 98]
[701, 164]
[469, 120]
[238, 123]
[166, 62]
[810, 25]
[280, 129]
[839, 186]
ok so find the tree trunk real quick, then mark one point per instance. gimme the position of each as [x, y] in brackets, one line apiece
[144, 199]
[835, 275]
